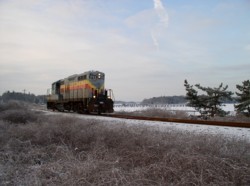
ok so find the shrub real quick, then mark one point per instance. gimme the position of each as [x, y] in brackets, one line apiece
[237, 118]
[10, 105]
[64, 150]
[156, 112]
[18, 116]
[16, 112]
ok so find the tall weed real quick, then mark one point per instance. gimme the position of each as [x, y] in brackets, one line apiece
[64, 150]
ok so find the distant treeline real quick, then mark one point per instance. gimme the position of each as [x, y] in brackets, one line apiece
[165, 100]
[173, 100]
[31, 98]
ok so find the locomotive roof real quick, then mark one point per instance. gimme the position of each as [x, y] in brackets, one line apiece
[87, 72]
[84, 73]
[77, 75]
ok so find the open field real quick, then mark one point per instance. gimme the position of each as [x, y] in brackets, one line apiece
[166, 107]
[70, 149]
[179, 111]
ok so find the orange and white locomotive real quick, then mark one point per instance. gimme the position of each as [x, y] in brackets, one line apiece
[83, 93]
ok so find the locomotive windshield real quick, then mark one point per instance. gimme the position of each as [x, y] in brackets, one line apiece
[96, 76]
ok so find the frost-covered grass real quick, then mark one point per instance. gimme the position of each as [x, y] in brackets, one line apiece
[69, 150]
[156, 112]
[178, 111]
[164, 107]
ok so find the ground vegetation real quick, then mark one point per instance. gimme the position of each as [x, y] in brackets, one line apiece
[165, 100]
[210, 102]
[243, 106]
[24, 97]
[54, 149]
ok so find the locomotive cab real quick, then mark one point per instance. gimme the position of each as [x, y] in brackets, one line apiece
[54, 96]
[101, 102]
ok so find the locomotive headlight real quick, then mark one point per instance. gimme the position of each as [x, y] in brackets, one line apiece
[99, 76]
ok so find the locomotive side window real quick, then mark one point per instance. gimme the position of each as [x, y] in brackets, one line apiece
[92, 76]
[82, 77]
[72, 79]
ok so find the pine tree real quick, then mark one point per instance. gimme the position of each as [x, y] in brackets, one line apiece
[244, 98]
[196, 101]
[214, 99]
[210, 103]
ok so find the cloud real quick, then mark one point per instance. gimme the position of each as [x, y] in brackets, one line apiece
[43, 41]
[37, 42]
[150, 23]
[46, 42]
[61, 39]
[247, 48]
[161, 24]
[161, 11]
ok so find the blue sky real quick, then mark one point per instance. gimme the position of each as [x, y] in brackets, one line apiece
[147, 48]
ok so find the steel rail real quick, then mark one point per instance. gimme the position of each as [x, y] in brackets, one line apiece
[175, 120]
[188, 121]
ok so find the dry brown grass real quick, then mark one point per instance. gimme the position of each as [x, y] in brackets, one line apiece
[53, 150]
[178, 114]
[157, 112]
[237, 118]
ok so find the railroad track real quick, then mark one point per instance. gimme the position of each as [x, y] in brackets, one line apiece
[175, 120]
[188, 121]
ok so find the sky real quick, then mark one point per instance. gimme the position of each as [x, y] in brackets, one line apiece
[146, 48]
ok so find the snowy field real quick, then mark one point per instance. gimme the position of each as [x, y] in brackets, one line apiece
[228, 132]
[232, 132]
[169, 107]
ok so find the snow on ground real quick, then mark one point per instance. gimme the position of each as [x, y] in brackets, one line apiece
[169, 107]
[229, 132]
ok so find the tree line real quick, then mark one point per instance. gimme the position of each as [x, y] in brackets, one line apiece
[209, 103]
[165, 100]
[31, 98]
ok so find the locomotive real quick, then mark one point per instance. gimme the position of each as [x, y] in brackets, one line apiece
[82, 93]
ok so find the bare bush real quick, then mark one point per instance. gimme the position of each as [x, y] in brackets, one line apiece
[237, 118]
[60, 150]
[181, 114]
[10, 105]
[18, 116]
[16, 112]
